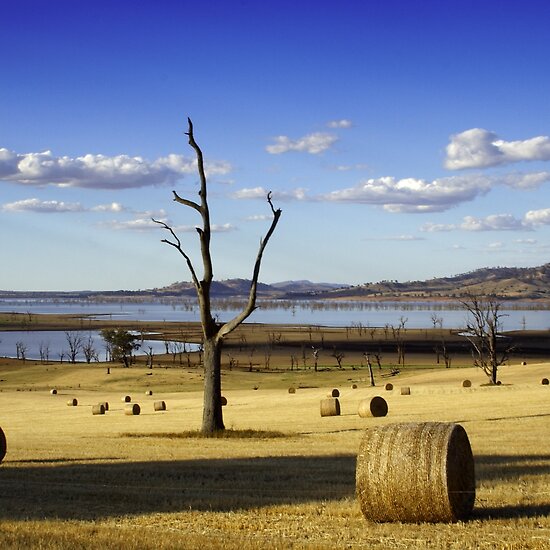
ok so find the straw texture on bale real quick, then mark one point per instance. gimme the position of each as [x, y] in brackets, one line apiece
[53, 391]
[72, 402]
[377, 406]
[292, 389]
[148, 392]
[132, 409]
[389, 386]
[544, 382]
[160, 406]
[330, 407]
[405, 390]
[466, 383]
[98, 409]
[334, 393]
[416, 472]
[224, 401]
[3, 445]
[126, 399]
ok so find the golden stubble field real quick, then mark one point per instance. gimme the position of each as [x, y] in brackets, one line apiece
[74, 480]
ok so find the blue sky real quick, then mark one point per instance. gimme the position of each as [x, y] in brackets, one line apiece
[402, 139]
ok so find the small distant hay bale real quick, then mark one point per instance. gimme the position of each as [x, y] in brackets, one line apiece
[334, 393]
[132, 409]
[523, 363]
[98, 409]
[377, 406]
[354, 386]
[544, 382]
[3, 445]
[53, 391]
[330, 407]
[388, 386]
[405, 390]
[415, 472]
[292, 389]
[160, 406]
[149, 392]
[224, 401]
[126, 399]
[466, 383]
[105, 404]
[72, 402]
[499, 382]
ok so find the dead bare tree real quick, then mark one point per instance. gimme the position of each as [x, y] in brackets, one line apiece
[483, 331]
[213, 331]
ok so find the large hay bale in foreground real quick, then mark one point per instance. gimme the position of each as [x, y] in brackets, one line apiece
[160, 406]
[132, 409]
[405, 390]
[3, 445]
[544, 382]
[466, 383]
[416, 472]
[377, 406]
[330, 407]
[98, 409]
[388, 386]
[72, 402]
[126, 399]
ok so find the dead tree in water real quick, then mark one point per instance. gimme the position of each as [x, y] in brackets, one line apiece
[213, 332]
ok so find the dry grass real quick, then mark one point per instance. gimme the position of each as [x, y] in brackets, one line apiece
[73, 480]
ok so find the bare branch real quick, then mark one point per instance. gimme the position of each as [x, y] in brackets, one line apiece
[186, 202]
[177, 246]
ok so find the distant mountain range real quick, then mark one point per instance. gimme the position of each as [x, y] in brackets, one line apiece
[511, 283]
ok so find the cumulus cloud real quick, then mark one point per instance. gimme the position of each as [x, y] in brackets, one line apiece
[413, 195]
[341, 123]
[479, 148]
[493, 222]
[98, 171]
[315, 143]
[538, 217]
[40, 206]
[112, 207]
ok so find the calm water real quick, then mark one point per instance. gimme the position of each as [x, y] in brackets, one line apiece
[340, 314]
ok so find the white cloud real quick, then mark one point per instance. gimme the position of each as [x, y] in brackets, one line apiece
[257, 217]
[413, 195]
[495, 246]
[261, 193]
[98, 171]
[112, 207]
[313, 144]
[526, 241]
[37, 205]
[405, 238]
[493, 222]
[538, 217]
[479, 148]
[341, 123]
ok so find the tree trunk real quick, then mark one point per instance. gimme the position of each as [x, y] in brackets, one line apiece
[212, 418]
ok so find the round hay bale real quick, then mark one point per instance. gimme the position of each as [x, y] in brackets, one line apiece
[53, 391]
[330, 407]
[224, 401]
[466, 383]
[523, 363]
[132, 409]
[98, 409]
[499, 382]
[388, 386]
[3, 445]
[416, 472]
[334, 393]
[377, 406]
[292, 389]
[149, 392]
[405, 390]
[354, 386]
[126, 399]
[105, 405]
[544, 382]
[72, 402]
[160, 406]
